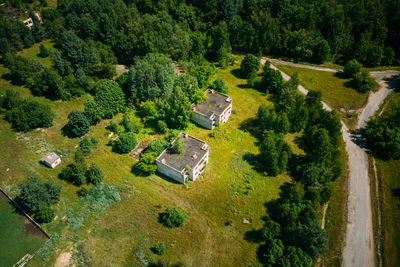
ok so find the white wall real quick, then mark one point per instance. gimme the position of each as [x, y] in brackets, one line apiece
[202, 120]
[174, 174]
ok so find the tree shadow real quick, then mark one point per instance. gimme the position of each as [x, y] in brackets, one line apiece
[237, 74]
[396, 193]
[253, 236]
[67, 131]
[250, 126]
[340, 75]
[254, 161]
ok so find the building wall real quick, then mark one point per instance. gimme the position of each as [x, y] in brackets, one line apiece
[164, 169]
[227, 113]
[198, 169]
[202, 120]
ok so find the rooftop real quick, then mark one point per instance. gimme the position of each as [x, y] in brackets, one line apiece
[215, 103]
[194, 151]
[50, 158]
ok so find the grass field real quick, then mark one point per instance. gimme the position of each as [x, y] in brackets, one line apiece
[230, 190]
[15, 234]
[389, 193]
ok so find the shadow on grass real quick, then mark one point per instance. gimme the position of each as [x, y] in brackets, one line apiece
[396, 193]
[340, 75]
[67, 131]
[250, 126]
[237, 74]
[253, 236]
[254, 162]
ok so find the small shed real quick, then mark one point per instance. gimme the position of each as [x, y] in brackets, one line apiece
[51, 160]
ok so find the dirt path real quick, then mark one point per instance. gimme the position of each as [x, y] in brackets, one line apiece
[277, 61]
[360, 248]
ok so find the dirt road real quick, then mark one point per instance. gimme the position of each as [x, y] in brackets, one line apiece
[360, 248]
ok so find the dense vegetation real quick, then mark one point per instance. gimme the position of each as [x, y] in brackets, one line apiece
[292, 233]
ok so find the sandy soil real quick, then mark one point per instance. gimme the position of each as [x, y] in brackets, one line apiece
[63, 259]
[360, 248]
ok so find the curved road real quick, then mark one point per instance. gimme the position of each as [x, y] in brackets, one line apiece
[360, 248]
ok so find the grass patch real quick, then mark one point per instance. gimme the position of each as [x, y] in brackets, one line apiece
[33, 52]
[16, 239]
[334, 91]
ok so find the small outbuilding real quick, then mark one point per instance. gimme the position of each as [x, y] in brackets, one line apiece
[186, 165]
[51, 160]
[213, 111]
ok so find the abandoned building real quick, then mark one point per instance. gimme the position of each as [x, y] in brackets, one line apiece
[51, 160]
[213, 111]
[187, 165]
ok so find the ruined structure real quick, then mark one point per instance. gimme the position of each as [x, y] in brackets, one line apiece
[187, 165]
[213, 111]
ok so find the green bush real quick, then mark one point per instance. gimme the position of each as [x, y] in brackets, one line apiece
[220, 85]
[94, 174]
[249, 65]
[147, 163]
[78, 124]
[159, 248]
[126, 142]
[179, 145]
[86, 145]
[362, 81]
[157, 146]
[44, 215]
[162, 127]
[352, 67]
[173, 217]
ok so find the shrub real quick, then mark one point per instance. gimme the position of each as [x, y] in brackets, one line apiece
[30, 115]
[362, 81]
[110, 99]
[86, 145]
[148, 110]
[157, 146]
[35, 193]
[92, 111]
[162, 127]
[113, 127]
[44, 215]
[94, 174]
[126, 142]
[173, 217]
[78, 124]
[179, 145]
[159, 248]
[11, 100]
[132, 123]
[220, 85]
[352, 67]
[43, 51]
[147, 163]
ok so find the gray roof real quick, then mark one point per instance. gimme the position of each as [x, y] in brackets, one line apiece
[192, 154]
[216, 103]
[50, 158]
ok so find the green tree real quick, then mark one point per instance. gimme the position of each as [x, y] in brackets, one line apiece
[110, 99]
[295, 256]
[48, 83]
[44, 215]
[11, 100]
[317, 145]
[270, 230]
[322, 52]
[189, 85]
[127, 142]
[78, 124]
[30, 115]
[148, 110]
[203, 73]
[34, 193]
[94, 174]
[157, 146]
[362, 81]
[272, 251]
[220, 85]
[147, 163]
[150, 78]
[352, 67]
[220, 47]
[178, 111]
[92, 111]
[75, 172]
[173, 217]
[249, 66]
[272, 80]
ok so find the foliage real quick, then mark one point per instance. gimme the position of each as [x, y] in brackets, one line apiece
[383, 134]
[148, 110]
[199, 97]
[34, 193]
[110, 99]
[157, 146]
[220, 85]
[274, 154]
[173, 217]
[203, 73]
[220, 48]
[94, 174]
[268, 119]
[159, 248]
[146, 163]
[352, 67]
[362, 81]
[48, 83]
[130, 122]
[179, 145]
[29, 115]
[86, 145]
[271, 79]
[150, 78]
[249, 65]
[92, 111]
[11, 100]
[75, 172]
[126, 142]
[43, 51]
[78, 124]
[162, 126]
[178, 112]
[189, 86]
[21, 69]
[44, 215]
[295, 256]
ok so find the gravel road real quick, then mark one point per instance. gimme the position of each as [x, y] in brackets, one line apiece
[360, 248]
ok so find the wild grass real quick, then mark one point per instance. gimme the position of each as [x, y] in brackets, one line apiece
[15, 240]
